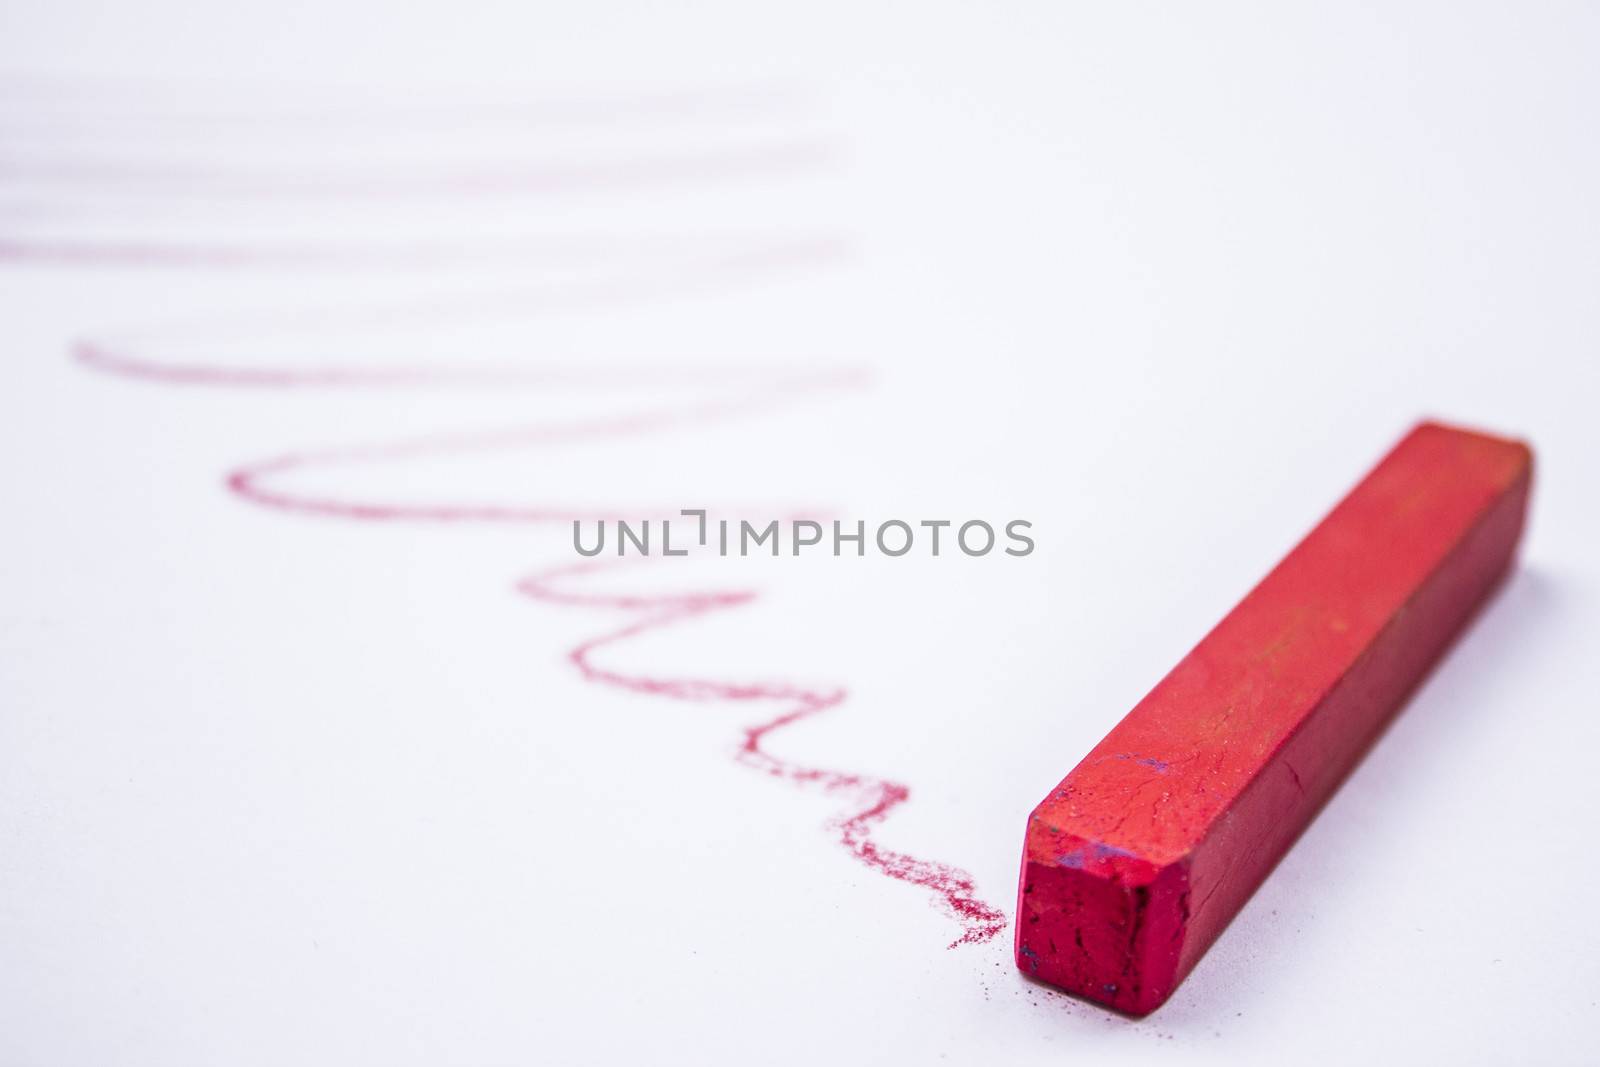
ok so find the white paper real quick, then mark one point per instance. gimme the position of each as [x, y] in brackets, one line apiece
[312, 784]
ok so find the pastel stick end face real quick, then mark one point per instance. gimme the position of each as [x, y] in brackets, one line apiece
[1099, 921]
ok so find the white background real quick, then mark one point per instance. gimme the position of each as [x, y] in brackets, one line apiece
[1163, 280]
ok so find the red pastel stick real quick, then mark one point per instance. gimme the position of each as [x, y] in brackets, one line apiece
[1142, 855]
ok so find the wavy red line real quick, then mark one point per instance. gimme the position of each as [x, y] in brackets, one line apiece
[868, 800]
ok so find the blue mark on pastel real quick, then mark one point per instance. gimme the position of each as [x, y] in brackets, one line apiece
[1033, 959]
[1158, 765]
[1093, 851]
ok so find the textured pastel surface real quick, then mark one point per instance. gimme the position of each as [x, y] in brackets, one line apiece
[1139, 858]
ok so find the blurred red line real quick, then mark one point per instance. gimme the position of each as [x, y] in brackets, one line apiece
[185, 106]
[872, 798]
[483, 180]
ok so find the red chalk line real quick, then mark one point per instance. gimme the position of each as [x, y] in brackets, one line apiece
[870, 799]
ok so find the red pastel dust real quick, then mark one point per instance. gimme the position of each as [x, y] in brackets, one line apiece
[1136, 862]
